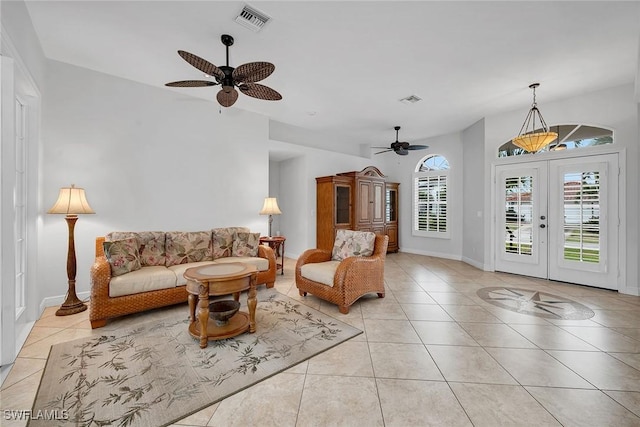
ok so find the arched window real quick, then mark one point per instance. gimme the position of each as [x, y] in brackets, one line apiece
[569, 137]
[430, 201]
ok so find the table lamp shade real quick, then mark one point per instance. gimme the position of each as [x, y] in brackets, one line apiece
[71, 201]
[270, 207]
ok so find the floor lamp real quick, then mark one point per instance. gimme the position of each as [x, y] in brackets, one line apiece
[71, 202]
[270, 208]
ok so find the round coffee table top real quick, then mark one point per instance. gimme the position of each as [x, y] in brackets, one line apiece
[219, 271]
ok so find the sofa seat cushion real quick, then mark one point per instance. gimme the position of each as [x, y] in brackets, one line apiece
[321, 272]
[179, 270]
[262, 264]
[144, 280]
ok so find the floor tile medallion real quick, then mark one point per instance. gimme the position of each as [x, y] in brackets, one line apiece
[535, 303]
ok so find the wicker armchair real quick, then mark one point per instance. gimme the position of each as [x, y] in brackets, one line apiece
[354, 276]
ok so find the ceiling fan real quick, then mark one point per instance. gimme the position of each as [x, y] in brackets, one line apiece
[244, 77]
[401, 148]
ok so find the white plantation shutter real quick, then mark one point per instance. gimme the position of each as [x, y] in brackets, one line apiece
[430, 204]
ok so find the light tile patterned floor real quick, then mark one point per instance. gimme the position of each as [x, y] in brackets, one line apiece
[433, 353]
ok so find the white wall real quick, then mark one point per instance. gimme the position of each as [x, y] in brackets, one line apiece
[613, 108]
[298, 190]
[149, 159]
[401, 168]
[473, 204]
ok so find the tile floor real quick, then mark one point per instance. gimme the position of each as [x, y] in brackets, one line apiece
[432, 353]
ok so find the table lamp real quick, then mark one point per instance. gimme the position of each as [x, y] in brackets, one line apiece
[71, 202]
[270, 208]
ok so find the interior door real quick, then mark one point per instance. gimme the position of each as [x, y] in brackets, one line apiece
[583, 241]
[558, 220]
[521, 219]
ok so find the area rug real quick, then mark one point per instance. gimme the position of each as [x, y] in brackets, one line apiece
[155, 373]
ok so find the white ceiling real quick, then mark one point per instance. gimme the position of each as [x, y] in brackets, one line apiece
[343, 66]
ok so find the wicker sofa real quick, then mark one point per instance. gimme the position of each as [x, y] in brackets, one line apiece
[342, 282]
[156, 280]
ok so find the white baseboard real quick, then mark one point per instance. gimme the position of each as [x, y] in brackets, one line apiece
[430, 253]
[476, 264]
[58, 300]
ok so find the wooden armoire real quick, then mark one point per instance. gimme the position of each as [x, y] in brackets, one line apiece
[356, 201]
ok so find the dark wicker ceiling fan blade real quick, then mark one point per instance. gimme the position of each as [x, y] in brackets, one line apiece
[384, 151]
[202, 64]
[260, 91]
[417, 147]
[253, 72]
[191, 83]
[384, 148]
[227, 99]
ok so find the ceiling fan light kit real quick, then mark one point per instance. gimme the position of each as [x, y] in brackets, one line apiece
[244, 77]
[528, 139]
[401, 148]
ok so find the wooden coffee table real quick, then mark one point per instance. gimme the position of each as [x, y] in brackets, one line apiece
[214, 280]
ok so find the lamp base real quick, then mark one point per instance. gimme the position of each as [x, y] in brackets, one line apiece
[72, 305]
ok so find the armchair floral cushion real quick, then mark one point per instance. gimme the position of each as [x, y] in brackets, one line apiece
[352, 243]
[123, 256]
[190, 246]
[246, 244]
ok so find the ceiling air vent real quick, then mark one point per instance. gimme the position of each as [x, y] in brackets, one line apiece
[252, 18]
[411, 99]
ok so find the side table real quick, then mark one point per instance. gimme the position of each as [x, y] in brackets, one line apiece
[214, 280]
[277, 244]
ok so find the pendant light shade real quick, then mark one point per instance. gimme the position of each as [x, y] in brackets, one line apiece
[528, 139]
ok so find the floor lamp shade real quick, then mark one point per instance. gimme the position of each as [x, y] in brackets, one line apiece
[71, 202]
[270, 207]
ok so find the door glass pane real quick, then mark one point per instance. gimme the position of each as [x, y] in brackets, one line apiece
[391, 203]
[582, 216]
[342, 205]
[517, 215]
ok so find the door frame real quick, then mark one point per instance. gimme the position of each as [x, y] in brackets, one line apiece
[585, 152]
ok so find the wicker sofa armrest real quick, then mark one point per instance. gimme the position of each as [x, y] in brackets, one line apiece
[100, 273]
[266, 252]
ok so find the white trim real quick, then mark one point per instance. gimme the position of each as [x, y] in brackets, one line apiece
[430, 253]
[59, 299]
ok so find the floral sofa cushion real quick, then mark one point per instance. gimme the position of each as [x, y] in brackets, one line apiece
[352, 243]
[246, 244]
[223, 240]
[123, 256]
[187, 246]
[150, 245]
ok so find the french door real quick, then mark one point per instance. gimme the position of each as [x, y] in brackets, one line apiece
[558, 220]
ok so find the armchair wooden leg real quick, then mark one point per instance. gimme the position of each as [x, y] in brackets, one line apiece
[344, 309]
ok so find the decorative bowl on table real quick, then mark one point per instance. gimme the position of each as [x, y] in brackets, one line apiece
[222, 311]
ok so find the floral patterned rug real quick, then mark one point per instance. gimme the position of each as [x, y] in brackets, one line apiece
[154, 373]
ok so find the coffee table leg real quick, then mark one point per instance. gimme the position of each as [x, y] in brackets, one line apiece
[193, 300]
[203, 315]
[252, 302]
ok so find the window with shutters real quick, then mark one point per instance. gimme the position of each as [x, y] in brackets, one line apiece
[430, 201]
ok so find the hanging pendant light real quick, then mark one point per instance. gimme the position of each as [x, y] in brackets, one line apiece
[528, 139]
